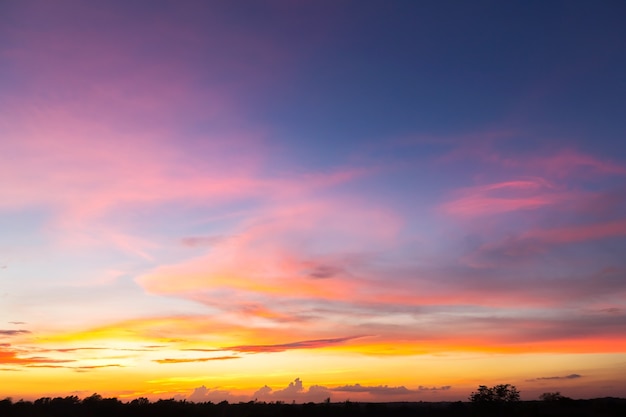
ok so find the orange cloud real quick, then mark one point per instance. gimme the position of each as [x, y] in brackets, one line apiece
[10, 356]
[301, 250]
[188, 360]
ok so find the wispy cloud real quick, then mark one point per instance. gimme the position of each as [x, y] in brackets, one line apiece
[304, 344]
[555, 378]
[83, 368]
[202, 241]
[188, 360]
[13, 357]
[13, 332]
[504, 197]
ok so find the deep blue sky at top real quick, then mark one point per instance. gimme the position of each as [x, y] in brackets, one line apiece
[335, 75]
[369, 71]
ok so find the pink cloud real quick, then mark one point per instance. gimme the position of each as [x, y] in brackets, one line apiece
[563, 163]
[579, 233]
[570, 161]
[504, 197]
[109, 130]
[277, 250]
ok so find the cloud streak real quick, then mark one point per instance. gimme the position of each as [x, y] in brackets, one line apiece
[304, 344]
[13, 332]
[189, 360]
[555, 378]
[375, 390]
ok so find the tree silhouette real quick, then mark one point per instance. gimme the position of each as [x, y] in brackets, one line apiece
[503, 393]
[497, 401]
[553, 396]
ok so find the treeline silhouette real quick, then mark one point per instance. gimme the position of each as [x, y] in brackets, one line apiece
[97, 406]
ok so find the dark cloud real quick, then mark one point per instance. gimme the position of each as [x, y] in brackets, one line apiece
[376, 390]
[441, 388]
[612, 310]
[305, 344]
[17, 322]
[13, 332]
[552, 378]
[324, 271]
[187, 360]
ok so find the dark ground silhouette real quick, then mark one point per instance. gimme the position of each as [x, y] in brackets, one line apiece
[97, 406]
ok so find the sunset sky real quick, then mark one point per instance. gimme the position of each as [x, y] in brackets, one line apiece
[300, 200]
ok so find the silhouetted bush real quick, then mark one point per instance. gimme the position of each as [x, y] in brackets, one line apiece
[503, 402]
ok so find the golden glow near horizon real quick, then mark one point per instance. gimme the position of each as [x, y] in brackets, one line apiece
[132, 358]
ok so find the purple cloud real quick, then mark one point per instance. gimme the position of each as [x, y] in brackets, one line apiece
[13, 332]
[305, 344]
[377, 390]
[554, 378]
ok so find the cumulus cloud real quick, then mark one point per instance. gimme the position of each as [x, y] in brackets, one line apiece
[203, 394]
[263, 392]
[295, 391]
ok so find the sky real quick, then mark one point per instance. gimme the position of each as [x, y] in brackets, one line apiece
[294, 201]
